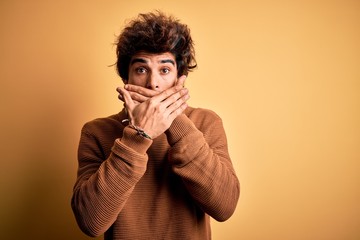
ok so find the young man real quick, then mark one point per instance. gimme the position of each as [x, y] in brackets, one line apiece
[159, 169]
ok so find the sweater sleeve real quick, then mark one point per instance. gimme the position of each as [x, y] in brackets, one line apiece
[104, 185]
[201, 158]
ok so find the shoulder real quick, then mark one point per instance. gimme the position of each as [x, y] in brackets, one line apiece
[202, 116]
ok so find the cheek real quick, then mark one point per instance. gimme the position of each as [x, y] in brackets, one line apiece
[170, 82]
[138, 81]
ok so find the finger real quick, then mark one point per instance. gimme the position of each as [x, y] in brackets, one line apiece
[177, 112]
[173, 106]
[182, 94]
[129, 103]
[166, 94]
[120, 96]
[141, 90]
[138, 97]
[181, 80]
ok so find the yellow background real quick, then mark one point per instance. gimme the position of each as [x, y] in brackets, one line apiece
[283, 75]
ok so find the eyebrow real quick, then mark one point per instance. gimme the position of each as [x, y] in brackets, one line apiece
[141, 60]
[167, 61]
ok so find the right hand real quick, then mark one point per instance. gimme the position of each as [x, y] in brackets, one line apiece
[140, 94]
[155, 115]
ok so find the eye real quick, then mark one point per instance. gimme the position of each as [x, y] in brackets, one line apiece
[140, 70]
[165, 70]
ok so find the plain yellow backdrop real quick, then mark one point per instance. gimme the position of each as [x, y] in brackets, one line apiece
[283, 75]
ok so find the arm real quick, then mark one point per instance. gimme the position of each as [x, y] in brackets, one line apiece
[201, 158]
[103, 186]
[203, 162]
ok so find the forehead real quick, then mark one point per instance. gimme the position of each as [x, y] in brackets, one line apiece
[153, 57]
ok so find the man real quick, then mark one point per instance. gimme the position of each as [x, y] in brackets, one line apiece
[159, 169]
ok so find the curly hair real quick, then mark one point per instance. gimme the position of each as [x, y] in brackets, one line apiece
[155, 33]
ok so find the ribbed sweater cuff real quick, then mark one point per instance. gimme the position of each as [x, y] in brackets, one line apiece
[135, 141]
[180, 127]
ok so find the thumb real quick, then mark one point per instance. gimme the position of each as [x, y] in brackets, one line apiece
[128, 101]
[181, 80]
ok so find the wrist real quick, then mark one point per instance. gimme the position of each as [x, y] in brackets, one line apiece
[180, 127]
[140, 131]
[133, 140]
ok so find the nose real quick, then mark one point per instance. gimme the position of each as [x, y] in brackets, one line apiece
[153, 81]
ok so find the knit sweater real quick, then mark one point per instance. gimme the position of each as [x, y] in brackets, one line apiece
[131, 187]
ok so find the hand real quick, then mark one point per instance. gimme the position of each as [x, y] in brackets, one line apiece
[155, 115]
[137, 93]
[140, 94]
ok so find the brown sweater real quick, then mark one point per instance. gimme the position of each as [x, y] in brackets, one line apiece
[131, 187]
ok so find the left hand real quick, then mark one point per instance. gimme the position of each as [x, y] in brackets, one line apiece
[155, 115]
[140, 94]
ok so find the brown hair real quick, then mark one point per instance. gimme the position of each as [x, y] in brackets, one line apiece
[155, 33]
